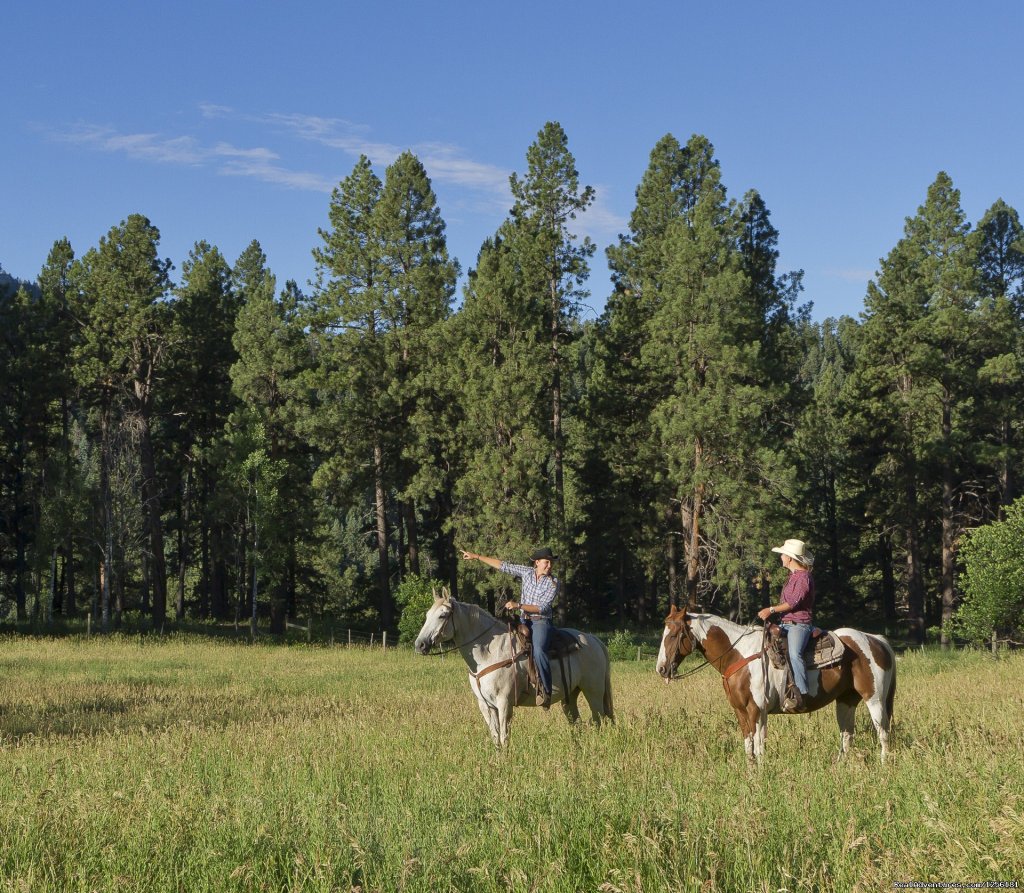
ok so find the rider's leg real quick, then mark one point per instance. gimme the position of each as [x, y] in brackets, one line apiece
[541, 633]
[799, 633]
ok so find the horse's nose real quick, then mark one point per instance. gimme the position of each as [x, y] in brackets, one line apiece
[421, 646]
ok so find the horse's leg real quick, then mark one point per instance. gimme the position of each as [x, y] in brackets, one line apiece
[761, 733]
[570, 707]
[490, 716]
[747, 733]
[881, 718]
[846, 710]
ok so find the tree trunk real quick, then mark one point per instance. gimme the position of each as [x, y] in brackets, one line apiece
[151, 504]
[915, 580]
[672, 560]
[69, 540]
[693, 548]
[108, 523]
[183, 519]
[386, 610]
[1007, 486]
[556, 412]
[888, 580]
[412, 534]
[948, 530]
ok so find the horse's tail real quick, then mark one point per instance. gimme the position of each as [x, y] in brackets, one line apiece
[609, 708]
[890, 694]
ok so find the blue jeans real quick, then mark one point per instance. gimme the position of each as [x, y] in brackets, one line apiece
[799, 633]
[541, 632]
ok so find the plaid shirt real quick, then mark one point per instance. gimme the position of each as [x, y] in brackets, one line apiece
[798, 593]
[540, 592]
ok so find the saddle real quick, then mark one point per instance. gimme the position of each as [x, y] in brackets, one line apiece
[823, 649]
[561, 644]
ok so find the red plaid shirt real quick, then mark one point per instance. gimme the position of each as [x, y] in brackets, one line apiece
[798, 593]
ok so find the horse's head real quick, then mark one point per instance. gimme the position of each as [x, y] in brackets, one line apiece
[439, 626]
[676, 643]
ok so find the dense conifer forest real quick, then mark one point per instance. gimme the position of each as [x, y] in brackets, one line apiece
[197, 441]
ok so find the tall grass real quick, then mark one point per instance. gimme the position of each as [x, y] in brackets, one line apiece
[190, 765]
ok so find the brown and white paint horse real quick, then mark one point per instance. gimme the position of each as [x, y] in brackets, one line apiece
[867, 672]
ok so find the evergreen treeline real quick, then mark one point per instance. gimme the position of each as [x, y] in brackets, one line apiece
[216, 447]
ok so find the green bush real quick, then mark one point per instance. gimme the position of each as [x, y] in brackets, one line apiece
[414, 596]
[622, 645]
[993, 579]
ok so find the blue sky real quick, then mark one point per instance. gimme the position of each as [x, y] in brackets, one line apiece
[233, 121]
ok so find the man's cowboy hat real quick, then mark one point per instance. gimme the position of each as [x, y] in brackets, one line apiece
[543, 553]
[797, 550]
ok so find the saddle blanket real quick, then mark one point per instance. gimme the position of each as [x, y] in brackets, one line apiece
[823, 649]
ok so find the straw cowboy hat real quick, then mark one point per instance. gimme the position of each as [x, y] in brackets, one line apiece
[797, 550]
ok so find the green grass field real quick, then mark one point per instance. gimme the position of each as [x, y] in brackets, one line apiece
[141, 765]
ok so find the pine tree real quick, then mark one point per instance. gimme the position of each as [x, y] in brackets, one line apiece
[547, 198]
[120, 347]
[419, 281]
[917, 372]
[199, 393]
[500, 359]
[267, 379]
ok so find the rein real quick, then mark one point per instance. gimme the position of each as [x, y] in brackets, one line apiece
[500, 665]
[444, 651]
[707, 663]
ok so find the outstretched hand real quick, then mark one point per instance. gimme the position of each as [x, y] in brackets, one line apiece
[468, 556]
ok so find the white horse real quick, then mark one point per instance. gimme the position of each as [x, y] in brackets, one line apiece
[498, 674]
[866, 672]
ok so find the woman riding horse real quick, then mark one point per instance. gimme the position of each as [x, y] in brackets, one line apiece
[795, 606]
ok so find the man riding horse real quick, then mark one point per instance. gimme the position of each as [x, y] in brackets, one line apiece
[539, 591]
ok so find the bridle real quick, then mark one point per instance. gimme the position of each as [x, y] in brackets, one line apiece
[449, 618]
[695, 644]
[479, 674]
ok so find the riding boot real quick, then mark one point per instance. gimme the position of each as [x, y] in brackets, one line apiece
[794, 702]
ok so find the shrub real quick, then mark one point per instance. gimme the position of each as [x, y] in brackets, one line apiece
[622, 645]
[993, 578]
[414, 596]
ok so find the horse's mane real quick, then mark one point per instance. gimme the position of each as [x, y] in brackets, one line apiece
[476, 612]
[730, 628]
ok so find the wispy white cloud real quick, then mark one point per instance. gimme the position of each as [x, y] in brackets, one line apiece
[254, 161]
[475, 186]
[143, 146]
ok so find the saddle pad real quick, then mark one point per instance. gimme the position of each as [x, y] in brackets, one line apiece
[561, 643]
[823, 650]
[828, 651]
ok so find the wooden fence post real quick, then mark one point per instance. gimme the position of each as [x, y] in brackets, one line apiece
[384, 640]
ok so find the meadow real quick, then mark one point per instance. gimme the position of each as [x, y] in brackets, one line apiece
[184, 764]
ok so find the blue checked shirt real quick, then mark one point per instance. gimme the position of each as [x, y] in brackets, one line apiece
[540, 592]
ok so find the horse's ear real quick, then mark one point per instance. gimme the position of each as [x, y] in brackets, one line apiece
[433, 592]
[446, 594]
